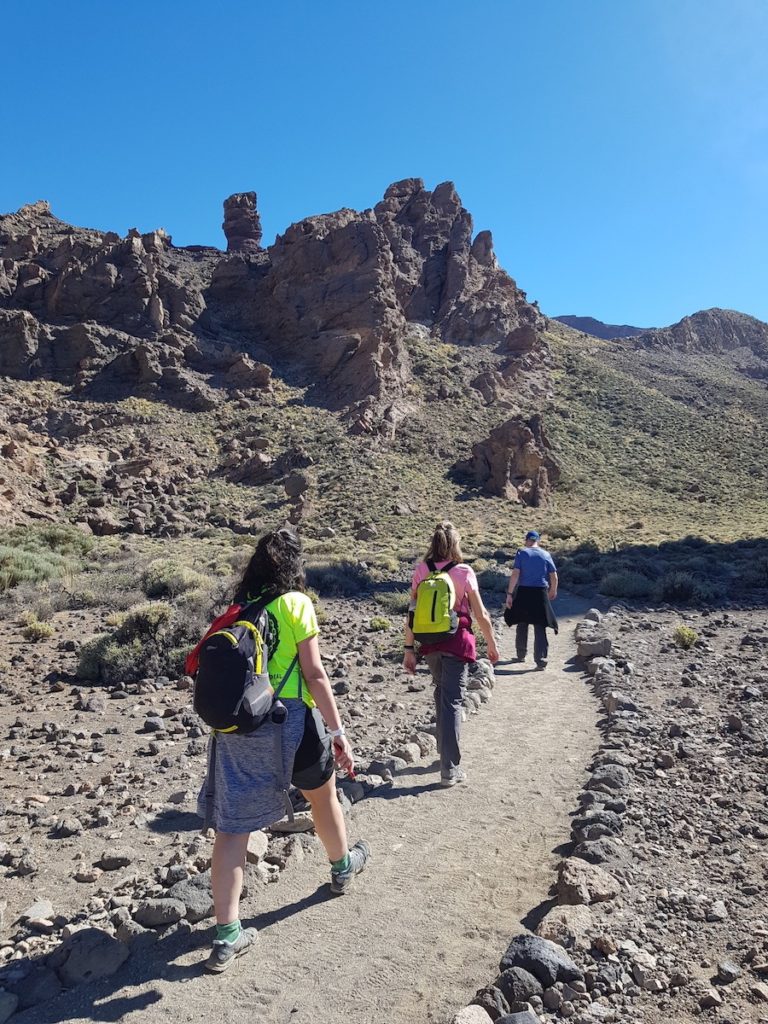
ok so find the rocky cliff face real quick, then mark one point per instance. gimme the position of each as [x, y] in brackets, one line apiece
[330, 303]
[711, 331]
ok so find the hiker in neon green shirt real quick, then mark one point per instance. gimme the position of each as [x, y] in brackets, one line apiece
[251, 771]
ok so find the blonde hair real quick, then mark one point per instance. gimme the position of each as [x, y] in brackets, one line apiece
[445, 545]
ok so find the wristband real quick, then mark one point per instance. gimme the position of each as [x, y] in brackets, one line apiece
[409, 647]
[337, 733]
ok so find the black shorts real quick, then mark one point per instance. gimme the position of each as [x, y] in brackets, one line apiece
[313, 764]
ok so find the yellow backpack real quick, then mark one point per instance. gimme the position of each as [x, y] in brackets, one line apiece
[433, 617]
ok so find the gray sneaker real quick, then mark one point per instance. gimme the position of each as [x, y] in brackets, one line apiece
[225, 953]
[457, 775]
[358, 857]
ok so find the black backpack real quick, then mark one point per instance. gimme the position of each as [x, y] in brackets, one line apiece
[232, 689]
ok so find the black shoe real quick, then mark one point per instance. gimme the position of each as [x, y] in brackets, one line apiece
[541, 665]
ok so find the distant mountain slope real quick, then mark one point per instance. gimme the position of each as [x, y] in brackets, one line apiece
[715, 331]
[598, 329]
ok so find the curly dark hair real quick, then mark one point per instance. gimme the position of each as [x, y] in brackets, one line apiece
[276, 567]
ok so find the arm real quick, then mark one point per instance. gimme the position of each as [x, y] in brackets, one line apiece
[513, 581]
[319, 686]
[483, 620]
[553, 581]
[409, 656]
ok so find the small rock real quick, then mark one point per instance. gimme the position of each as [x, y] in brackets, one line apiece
[579, 882]
[37, 910]
[717, 912]
[710, 999]
[158, 913]
[471, 1015]
[728, 972]
[258, 843]
[115, 859]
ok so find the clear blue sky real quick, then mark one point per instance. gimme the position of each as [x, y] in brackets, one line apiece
[618, 149]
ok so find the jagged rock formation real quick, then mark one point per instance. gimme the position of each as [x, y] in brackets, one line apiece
[710, 331]
[242, 224]
[515, 462]
[740, 339]
[330, 302]
[598, 329]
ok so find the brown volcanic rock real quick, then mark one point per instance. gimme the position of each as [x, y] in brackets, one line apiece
[331, 301]
[63, 273]
[711, 331]
[20, 334]
[446, 279]
[515, 462]
[242, 224]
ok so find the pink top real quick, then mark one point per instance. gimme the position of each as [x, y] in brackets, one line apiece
[462, 644]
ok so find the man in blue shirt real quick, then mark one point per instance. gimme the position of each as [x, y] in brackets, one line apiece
[532, 587]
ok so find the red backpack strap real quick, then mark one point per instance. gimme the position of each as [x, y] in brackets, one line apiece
[227, 618]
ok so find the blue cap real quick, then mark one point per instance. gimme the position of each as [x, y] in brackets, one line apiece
[532, 535]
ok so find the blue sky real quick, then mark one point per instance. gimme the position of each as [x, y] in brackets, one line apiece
[618, 149]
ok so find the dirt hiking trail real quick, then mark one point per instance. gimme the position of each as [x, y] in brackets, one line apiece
[453, 873]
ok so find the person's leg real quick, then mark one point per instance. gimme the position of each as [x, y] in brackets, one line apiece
[435, 663]
[540, 644]
[453, 680]
[521, 640]
[227, 866]
[328, 818]
[315, 777]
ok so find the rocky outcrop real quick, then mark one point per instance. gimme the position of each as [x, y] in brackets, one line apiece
[329, 305]
[711, 331]
[515, 462]
[242, 224]
[445, 277]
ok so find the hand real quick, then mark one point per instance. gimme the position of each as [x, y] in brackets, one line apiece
[552, 595]
[409, 662]
[508, 602]
[493, 653]
[342, 754]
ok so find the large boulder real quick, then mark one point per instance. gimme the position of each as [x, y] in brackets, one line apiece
[87, 955]
[515, 461]
[543, 959]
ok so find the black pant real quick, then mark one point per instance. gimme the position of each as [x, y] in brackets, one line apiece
[540, 642]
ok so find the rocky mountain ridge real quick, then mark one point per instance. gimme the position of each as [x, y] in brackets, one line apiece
[330, 303]
[714, 332]
[599, 329]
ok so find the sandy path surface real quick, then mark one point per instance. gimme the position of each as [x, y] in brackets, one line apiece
[453, 874]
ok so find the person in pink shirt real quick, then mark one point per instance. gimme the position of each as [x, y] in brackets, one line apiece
[449, 659]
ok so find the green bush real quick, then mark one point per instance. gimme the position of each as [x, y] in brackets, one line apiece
[676, 587]
[165, 577]
[396, 603]
[342, 579]
[626, 583]
[151, 639]
[34, 554]
[35, 630]
[685, 637]
[378, 624]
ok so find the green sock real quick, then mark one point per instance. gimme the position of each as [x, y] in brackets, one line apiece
[228, 932]
[341, 865]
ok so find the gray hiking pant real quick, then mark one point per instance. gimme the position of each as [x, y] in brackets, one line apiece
[449, 674]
